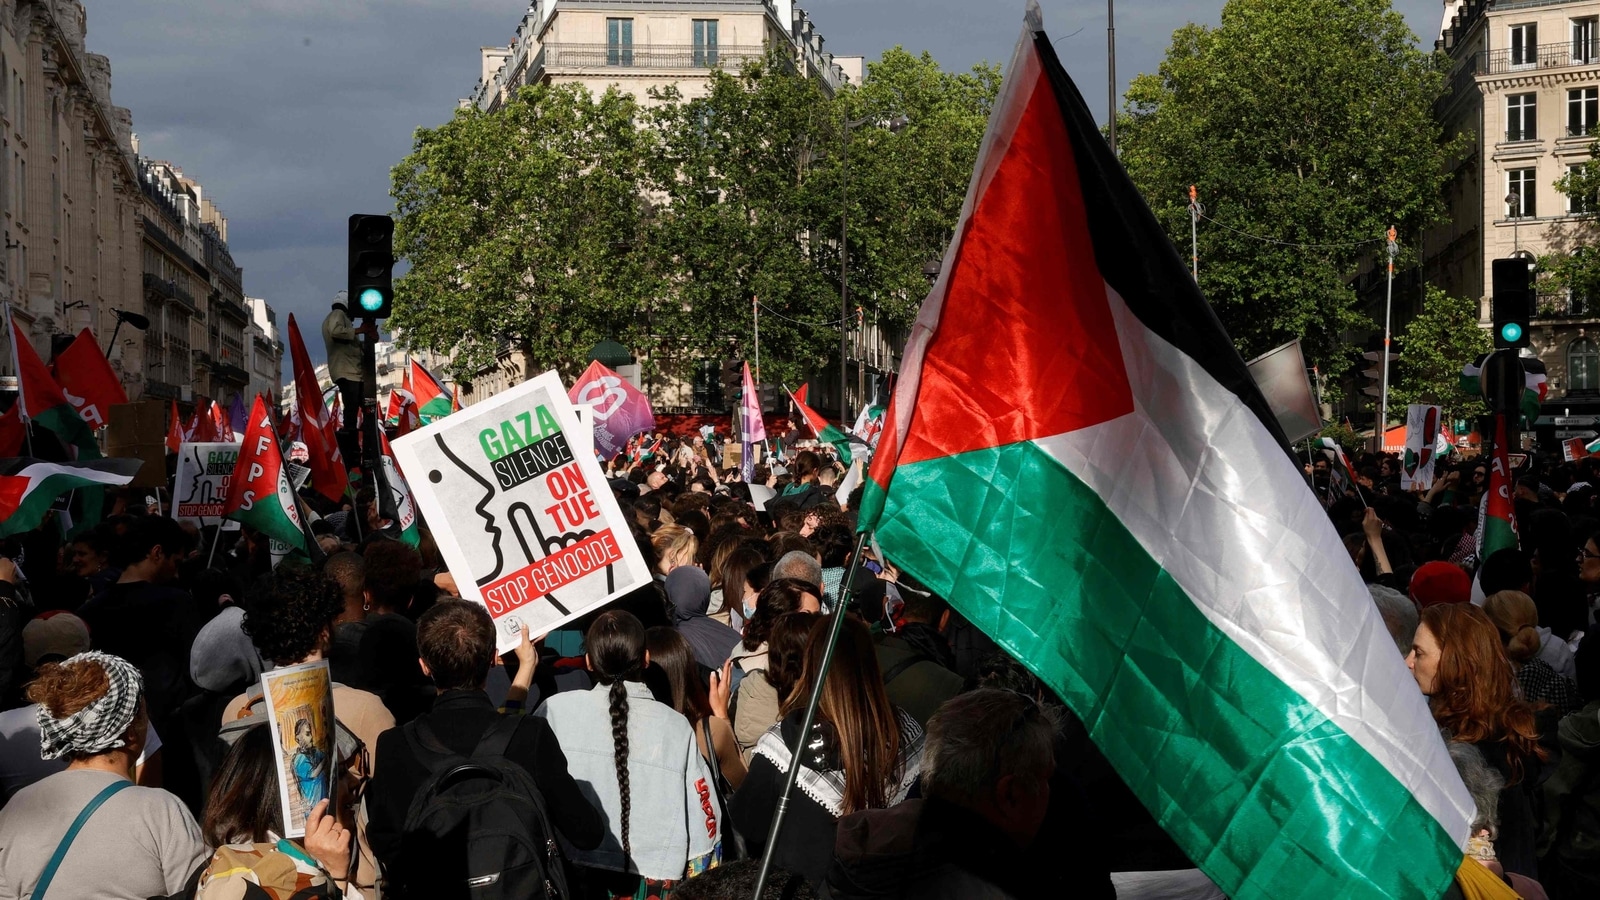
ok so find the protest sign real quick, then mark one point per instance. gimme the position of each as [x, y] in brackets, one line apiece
[300, 713]
[523, 517]
[620, 409]
[201, 487]
[1422, 437]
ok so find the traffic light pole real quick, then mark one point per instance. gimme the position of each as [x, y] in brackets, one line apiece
[1388, 308]
[369, 416]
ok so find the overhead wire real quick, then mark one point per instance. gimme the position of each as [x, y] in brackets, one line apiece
[834, 324]
[1266, 240]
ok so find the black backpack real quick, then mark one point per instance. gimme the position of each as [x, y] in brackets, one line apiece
[477, 829]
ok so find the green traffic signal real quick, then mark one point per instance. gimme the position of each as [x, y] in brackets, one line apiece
[372, 300]
[1511, 332]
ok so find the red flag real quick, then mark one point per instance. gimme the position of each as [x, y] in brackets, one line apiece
[202, 427]
[87, 380]
[41, 400]
[455, 398]
[174, 429]
[13, 434]
[259, 493]
[222, 422]
[328, 475]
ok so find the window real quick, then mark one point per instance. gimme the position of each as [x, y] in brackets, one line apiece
[1523, 191]
[1579, 204]
[619, 42]
[1583, 365]
[1521, 117]
[1525, 45]
[705, 42]
[1584, 33]
[1583, 109]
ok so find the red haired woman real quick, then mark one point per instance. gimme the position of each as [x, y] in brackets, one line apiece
[1462, 668]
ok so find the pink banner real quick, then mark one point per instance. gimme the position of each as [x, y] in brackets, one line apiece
[620, 409]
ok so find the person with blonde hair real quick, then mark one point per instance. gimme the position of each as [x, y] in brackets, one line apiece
[675, 546]
[88, 830]
[1517, 618]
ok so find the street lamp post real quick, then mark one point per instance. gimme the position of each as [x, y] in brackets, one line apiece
[895, 124]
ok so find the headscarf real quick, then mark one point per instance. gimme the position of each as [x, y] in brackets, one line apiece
[101, 725]
[689, 593]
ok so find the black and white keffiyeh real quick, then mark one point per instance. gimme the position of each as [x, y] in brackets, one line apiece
[99, 726]
[820, 777]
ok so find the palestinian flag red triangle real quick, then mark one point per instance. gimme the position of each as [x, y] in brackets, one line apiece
[1078, 460]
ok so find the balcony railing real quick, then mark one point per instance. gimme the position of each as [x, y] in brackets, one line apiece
[1565, 55]
[1521, 134]
[228, 307]
[1561, 306]
[643, 56]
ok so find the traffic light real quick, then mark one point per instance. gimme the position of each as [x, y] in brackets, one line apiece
[1373, 371]
[1512, 301]
[771, 397]
[371, 266]
[732, 381]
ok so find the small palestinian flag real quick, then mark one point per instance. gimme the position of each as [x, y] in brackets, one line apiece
[175, 433]
[28, 487]
[1122, 514]
[259, 493]
[825, 431]
[1497, 514]
[41, 400]
[432, 401]
[1537, 384]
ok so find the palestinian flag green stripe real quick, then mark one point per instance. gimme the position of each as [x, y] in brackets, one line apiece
[66, 424]
[28, 488]
[1082, 599]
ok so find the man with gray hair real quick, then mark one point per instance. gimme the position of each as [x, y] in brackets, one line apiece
[1399, 613]
[987, 765]
[801, 566]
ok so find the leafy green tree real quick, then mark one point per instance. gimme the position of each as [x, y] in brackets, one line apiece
[1569, 275]
[523, 228]
[1441, 340]
[1307, 127]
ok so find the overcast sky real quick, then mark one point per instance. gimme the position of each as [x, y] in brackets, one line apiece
[291, 112]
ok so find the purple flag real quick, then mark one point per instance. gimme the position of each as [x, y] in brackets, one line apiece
[238, 416]
[752, 428]
[620, 409]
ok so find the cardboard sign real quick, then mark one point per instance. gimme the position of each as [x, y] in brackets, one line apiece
[1422, 438]
[300, 712]
[201, 488]
[522, 514]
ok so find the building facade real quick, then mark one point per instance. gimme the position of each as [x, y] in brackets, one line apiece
[263, 349]
[70, 198]
[637, 45]
[1525, 84]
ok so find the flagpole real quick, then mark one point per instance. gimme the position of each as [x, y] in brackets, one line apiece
[809, 717]
[22, 397]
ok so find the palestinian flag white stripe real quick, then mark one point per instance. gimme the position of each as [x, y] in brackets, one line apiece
[1272, 576]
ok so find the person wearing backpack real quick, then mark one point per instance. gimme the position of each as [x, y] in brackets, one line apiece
[465, 794]
[642, 769]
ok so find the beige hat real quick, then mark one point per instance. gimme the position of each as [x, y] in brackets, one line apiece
[56, 634]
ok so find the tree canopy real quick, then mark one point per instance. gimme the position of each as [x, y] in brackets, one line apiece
[1438, 343]
[1307, 127]
[563, 218]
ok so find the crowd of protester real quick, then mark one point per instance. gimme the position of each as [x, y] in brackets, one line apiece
[641, 751]
[1497, 645]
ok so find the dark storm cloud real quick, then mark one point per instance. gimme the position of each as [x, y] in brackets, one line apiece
[291, 112]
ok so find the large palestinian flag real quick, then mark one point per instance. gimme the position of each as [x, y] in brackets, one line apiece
[29, 487]
[432, 401]
[1078, 459]
[41, 400]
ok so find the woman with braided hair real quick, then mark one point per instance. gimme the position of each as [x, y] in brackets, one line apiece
[638, 762]
[129, 842]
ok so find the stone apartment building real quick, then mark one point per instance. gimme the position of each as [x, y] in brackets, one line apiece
[91, 228]
[1525, 82]
[70, 198]
[263, 349]
[637, 45]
